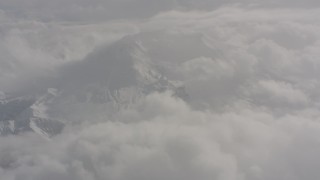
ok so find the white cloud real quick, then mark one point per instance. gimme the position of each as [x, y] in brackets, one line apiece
[280, 91]
[250, 73]
[177, 143]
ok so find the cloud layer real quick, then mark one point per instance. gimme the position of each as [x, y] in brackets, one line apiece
[250, 74]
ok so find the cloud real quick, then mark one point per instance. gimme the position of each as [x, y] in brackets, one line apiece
[169, 140]
[249, 74]
[31, 48]
[96, 10]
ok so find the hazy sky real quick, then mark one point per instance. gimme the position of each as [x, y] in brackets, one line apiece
[249, 70]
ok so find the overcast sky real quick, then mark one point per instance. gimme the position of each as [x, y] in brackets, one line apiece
[249, 71]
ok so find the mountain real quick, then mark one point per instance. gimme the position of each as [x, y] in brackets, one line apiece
[110, 78]
[21, 114]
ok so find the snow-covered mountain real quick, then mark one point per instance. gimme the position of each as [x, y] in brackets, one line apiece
[28, 113]
[110, 78]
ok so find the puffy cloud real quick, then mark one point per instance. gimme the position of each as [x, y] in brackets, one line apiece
[249, 72]
[31, 48]
[172, 142]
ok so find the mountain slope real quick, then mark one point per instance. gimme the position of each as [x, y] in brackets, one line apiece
[108, 79]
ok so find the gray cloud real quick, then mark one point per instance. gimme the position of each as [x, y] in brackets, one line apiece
[173, 142]
[198, 90]
[97, 10]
